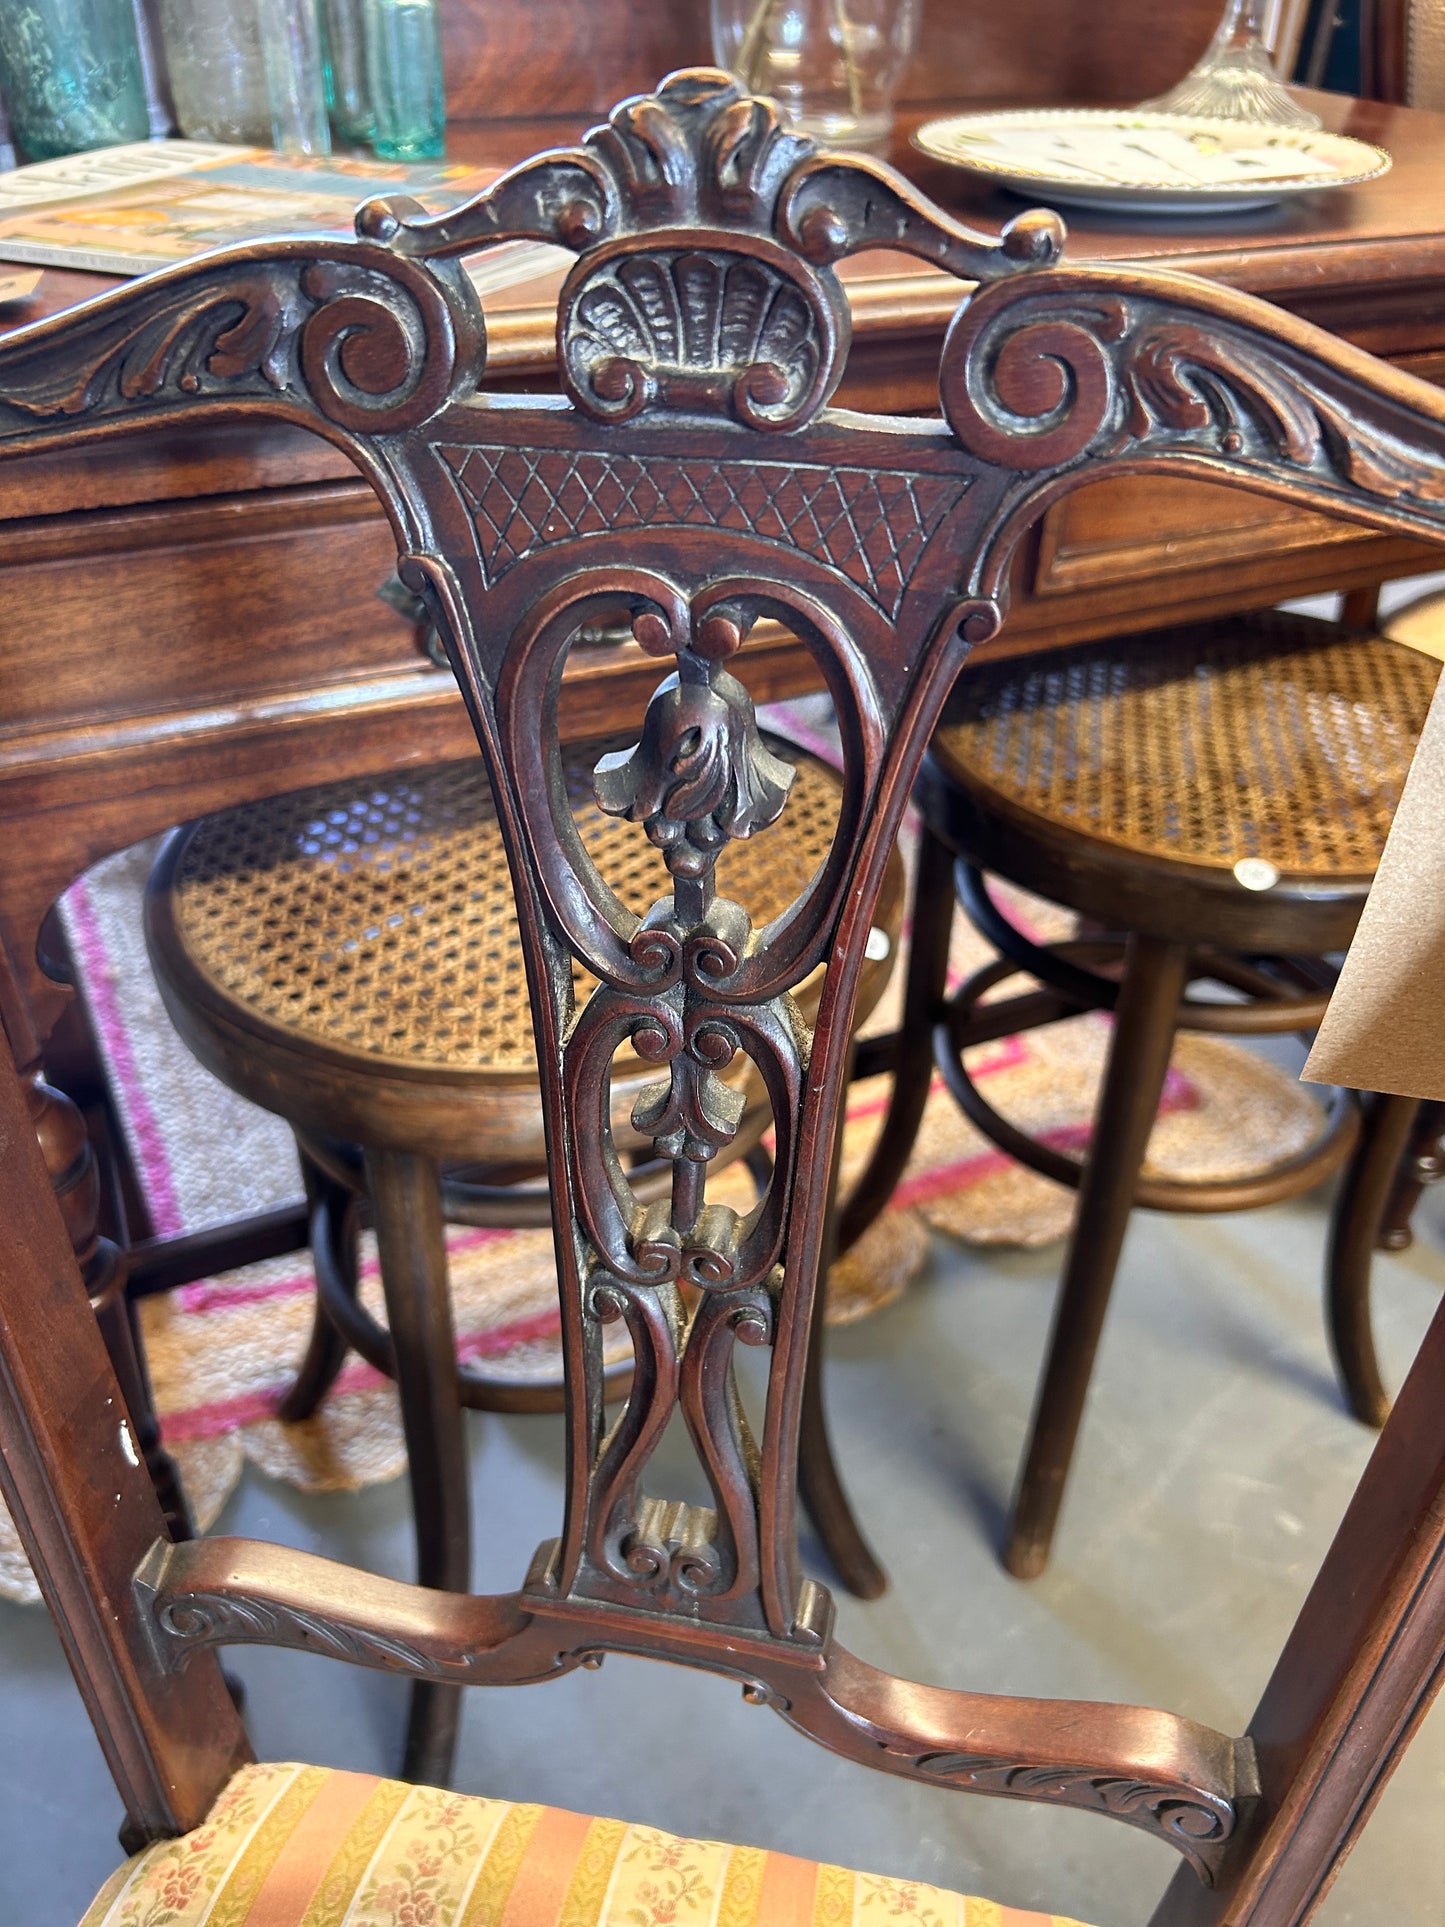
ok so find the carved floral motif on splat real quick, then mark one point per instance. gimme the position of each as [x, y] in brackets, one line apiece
[871, 524]
[699, 776]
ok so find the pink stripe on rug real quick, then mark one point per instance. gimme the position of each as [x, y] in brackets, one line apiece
[219, 1294]
[110, 1021]
[1179, 1095]
[211, 1420]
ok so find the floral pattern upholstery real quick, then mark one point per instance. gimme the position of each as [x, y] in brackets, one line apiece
[301, 1846]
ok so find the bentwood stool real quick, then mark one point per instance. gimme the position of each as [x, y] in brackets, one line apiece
[348, 957]
[1213, 802]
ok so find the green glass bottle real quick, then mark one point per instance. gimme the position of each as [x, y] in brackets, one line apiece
[71, 75]
[348, 91]
[404, 63]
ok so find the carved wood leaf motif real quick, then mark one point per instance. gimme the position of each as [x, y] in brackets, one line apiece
[1082, 365]
[699, 776]
[1194, 1821]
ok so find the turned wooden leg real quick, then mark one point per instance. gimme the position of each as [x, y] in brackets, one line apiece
[819, 1481]
[1366, 1190]
[75, 1178]
[1155, 974]
[405, 1193]
[923, 998]
[334, 1215]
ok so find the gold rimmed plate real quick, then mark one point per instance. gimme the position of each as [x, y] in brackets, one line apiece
[1132, 160]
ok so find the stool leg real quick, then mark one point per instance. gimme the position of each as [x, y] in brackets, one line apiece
[1355, 1225]
[405, 1193]
[335, 1219]
[927, 982]
[1155, 974]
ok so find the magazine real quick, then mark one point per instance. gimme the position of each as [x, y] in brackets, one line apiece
[127, 210]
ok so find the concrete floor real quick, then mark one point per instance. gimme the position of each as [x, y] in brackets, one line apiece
[1215, 1464]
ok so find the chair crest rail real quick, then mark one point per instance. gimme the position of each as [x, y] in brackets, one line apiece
[693, 477]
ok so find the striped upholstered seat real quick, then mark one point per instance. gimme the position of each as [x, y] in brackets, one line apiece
[302, 1846]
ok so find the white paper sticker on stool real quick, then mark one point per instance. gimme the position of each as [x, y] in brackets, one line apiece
[1255, 873]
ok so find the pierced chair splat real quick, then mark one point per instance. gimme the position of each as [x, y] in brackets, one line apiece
[693, 474]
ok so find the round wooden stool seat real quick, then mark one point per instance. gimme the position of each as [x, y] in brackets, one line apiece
[1231, 781]
[349, 956]
[1214, 801]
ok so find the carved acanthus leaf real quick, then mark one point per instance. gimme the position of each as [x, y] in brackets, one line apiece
[1191, 1819]
[196, 1620]
[335, 329]
[1053, 370]
[700, 775]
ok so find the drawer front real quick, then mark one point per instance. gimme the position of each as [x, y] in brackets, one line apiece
[1133, 529]
[161, 609]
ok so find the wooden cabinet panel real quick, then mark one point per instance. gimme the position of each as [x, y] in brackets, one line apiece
[282, 588]
[1131, 529]
[579, 56]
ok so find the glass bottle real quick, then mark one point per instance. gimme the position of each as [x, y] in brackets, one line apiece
[833, 66]
[71, 75]
[218, 81]
[404, 63]
[7, 146]
[295, 76]
[348, 91]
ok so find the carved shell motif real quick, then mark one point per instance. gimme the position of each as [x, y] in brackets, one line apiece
[686, 326]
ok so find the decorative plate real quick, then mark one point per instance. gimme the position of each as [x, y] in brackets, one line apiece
[1129, 160]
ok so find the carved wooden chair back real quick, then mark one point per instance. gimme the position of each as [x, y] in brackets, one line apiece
[693, 473]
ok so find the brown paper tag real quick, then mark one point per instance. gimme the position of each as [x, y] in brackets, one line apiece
[1385, 1026]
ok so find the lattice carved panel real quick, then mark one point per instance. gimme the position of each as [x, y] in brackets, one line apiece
[871, 525]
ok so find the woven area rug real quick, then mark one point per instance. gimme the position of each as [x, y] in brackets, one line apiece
[222, 1351]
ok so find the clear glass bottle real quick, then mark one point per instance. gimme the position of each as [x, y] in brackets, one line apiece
[295, 75]
[7, 146]
[218, 80]
[348, 91]
[71, 74]
[833, 66]
[404, 64]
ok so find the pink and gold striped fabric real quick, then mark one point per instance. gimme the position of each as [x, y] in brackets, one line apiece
[302, 1846]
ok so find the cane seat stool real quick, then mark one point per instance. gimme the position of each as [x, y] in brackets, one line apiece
[1212, 801]
[348, 958]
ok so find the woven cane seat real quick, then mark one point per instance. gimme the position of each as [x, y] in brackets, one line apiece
[1248, 769]
[349, 955]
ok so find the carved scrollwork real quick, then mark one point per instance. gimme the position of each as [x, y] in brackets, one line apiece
[691, 1117]
[334, 328]
[198, 1620]
[707, 234]
[1190, 1819]
[1043, 374]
